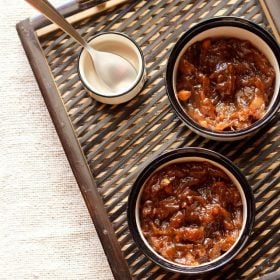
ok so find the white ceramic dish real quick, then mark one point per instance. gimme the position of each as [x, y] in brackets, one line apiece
[122, 45]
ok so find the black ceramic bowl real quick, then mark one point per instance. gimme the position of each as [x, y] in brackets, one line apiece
[184, 155]
[224, 27]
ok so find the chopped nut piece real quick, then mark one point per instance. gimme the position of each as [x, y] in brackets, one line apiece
[184, 95]
[165, 182]
[206, 44]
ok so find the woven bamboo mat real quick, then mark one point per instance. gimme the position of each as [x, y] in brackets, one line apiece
[118, 141]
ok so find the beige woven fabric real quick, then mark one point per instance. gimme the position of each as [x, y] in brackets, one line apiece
[45, 229]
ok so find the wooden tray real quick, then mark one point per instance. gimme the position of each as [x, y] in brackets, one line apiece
[107, 146]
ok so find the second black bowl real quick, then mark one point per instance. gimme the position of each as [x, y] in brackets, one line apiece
[232, 27]
[187, 155]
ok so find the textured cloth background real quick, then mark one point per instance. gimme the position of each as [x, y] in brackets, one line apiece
[45, 229]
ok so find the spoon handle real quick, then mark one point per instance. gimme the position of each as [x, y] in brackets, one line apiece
[53, 15]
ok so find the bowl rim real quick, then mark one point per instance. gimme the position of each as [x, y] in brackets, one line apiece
[188, 35]
[183, 153]
[129, 90]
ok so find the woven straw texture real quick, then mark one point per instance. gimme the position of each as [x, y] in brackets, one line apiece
[45, 228]
[117, 141]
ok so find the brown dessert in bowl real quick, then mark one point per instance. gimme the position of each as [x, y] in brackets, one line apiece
[190, 213]
[223, 78]
[190, 210]
[224, 83]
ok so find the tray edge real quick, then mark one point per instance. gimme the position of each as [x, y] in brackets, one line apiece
[72, 150]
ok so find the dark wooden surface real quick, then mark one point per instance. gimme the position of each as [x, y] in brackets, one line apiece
[271, 8]
[107, 146]
[274, 9]
[69, 8]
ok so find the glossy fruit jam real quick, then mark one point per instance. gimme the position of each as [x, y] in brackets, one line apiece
[190, 213]
[224, 84]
